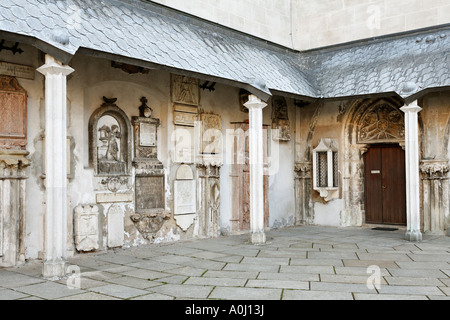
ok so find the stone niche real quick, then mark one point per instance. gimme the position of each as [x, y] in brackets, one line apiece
[110, 140]
[281, 126]
[150, 213]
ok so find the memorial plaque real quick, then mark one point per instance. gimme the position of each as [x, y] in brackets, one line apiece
[13, 114]
[185, 197]
[147, 135]
[17, 70]
[149, 193]
[184, 119]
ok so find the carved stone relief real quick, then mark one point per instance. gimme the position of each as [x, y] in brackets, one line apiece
[367, 121]
[281, 126]
[86, 228]
[211, 134]
[13, 114]
[13, 166]
[150, 213]
[13, 171]
[435, 188]
[208, 200]
[382, 123]
[185, 90]
[110, 140]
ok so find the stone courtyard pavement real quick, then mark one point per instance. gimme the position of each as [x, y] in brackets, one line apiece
[300, 263]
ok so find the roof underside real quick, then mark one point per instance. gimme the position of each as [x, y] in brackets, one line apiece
[149, 35]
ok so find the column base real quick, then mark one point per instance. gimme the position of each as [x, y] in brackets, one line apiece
[413, 236]
[54, 269]
[258, 238]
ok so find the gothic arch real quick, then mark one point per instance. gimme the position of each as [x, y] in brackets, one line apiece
[366, 121]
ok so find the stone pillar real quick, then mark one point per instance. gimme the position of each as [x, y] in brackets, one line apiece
[256, 160]
[13, 165]
[411, 111]
[303, 187]
[435, 195]
[55, 166]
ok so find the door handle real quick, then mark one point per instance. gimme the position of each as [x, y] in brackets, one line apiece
[384, 187]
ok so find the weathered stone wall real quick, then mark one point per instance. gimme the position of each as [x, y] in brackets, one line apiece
[113, 197]
[339, 120]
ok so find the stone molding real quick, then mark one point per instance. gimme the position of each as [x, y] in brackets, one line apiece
[303, 169]
[434, 169]
[13, 164]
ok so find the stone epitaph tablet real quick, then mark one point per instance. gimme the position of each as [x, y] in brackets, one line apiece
[149, 193]
[13, 114]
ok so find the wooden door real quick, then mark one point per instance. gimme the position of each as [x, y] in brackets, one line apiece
[240, 179]
[385, 185]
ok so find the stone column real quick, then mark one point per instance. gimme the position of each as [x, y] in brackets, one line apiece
[435, 195]
[55, 166]
[411, 111]
[256, 160]
[13, 165]
[303, 187]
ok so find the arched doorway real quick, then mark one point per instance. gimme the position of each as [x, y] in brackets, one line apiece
[374, 182]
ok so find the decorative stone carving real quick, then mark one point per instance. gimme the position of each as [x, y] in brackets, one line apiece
[13, 165]
[435, 188]
[110, 140]
[382, 123]
[149, 224]
[86, 228]
[434, 169]
[146, 146]
[211, 134]
[185, 90]
[303, 183]
[13, 114]
[208, 200]
[149, 214]
[325, 169]
[303, 169]
[115, 184]
[281, 126]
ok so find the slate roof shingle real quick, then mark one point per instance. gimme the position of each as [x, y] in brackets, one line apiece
[149, 33]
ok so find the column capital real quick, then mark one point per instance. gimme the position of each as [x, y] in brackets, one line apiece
[412, 107]
[255, 103]
[53, 66]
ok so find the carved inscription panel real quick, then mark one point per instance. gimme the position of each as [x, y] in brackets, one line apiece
[149, 193]
[13, 114]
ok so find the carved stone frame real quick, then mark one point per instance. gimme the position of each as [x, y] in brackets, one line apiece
[111, 109]
[353, 160]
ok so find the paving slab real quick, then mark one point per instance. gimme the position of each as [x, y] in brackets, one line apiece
[7, 294]
[301, 263]
[183, 291]
[49, 290]
[315, 295]
[227, 293]
[119, 291]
